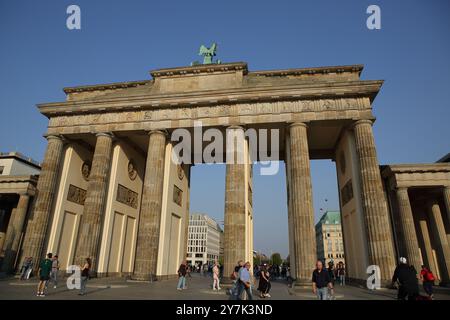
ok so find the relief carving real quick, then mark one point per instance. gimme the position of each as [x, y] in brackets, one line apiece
[347, 192]
[177, 195]
[127, 196]
[132, 172]
[308, 105]
[148, 115]
[86, 170]
[76, 195]
[185, 113]
[326, 104]
[246, 109]
[265, 107]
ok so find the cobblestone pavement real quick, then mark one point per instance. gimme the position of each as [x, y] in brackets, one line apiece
[199, 288]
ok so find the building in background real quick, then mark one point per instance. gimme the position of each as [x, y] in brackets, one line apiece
[18, 180]
[205, 240]
[329, 240]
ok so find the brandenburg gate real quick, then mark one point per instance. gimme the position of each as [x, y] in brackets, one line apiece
[110, 191]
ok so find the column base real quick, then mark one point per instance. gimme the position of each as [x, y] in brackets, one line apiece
[301, 284]
[143, 277]
[226, 280]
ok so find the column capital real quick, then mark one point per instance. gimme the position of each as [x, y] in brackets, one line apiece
[235, 127]
[361, 122]
[163, 132]
[297, 124]
[105, 134]
[401, 189]
[55, 137]
[24, 194]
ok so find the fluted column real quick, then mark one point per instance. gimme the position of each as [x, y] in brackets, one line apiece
[301, 201]
[35, 235]
[14, 231]
[94, 205]
[150, 217]
[410, 241]
[443, 249]
[447, 207]
[381, 249]
[427, 245]
[235, 215]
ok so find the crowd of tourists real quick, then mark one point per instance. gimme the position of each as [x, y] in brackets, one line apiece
[48, 270]
[405, 278]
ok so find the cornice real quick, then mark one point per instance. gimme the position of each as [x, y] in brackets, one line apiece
[392, 169]
[106, 86]
[19, 179]
[199, 69]
[311, 71]
[359, 88]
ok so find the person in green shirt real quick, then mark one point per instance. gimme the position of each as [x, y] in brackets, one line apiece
[44, 274]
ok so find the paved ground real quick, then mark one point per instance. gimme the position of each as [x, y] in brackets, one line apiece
[199, 288]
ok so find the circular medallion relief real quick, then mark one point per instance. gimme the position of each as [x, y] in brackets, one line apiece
[342, 162]
[180, 172]
[132, 172]
[86, 169]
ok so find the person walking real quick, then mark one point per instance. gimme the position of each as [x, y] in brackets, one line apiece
[332, 274]
[85, 272]
[264, 283]
[44, 275]
[288, 277]
[341, 273]
[216, 276]
[235, 278]
[321, 282]
[189, 270]
[27, 266]
[182, 270]
[428, 279]
[406, 276]
[245, 282]
[55, 269]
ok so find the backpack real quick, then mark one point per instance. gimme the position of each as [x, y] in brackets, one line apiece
[429, 276]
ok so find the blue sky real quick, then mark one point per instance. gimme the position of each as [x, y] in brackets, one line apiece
[123, 40]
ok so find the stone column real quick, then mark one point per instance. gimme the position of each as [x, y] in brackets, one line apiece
[150, 217]
[410, 241]
[14, 232]
[376, 217]
[447, 208]
[438, 229]
[92, 219]
[36, 232]
[235, 215]
[427, 245]
[301, 202]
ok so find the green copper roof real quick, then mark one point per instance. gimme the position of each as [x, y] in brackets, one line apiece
[331, 217]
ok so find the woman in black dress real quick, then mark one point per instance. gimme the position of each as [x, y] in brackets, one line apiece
[264, 283]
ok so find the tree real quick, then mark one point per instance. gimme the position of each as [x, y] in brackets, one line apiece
[276, 259]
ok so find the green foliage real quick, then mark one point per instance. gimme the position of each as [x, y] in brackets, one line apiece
[276, 259]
